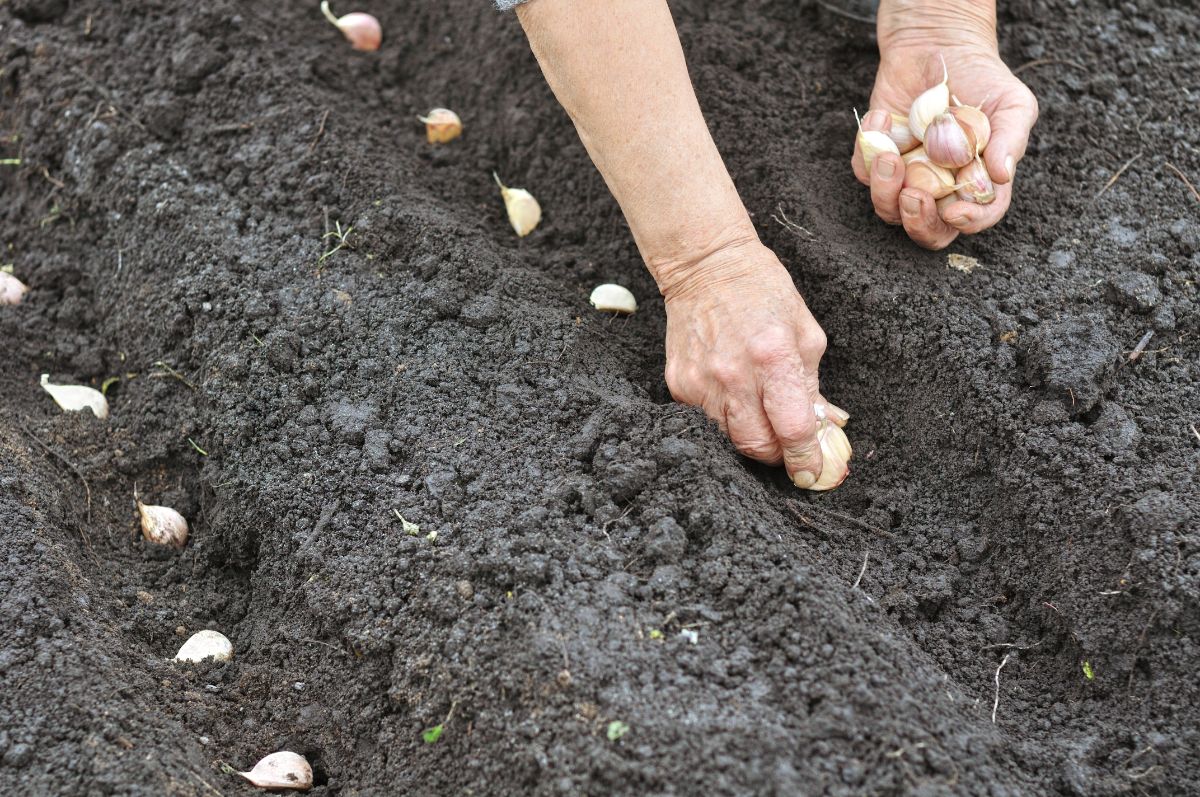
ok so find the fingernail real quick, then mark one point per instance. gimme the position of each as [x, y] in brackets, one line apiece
[886, 168]
[1010, 166]
[910, 205]
[957, 221]
[875, 120]
[804, 479]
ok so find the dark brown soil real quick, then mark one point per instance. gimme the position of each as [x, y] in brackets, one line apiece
[1023, 494]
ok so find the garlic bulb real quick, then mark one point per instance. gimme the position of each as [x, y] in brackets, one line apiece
[206, 644]
[975, 184]
[902, 134]
[949, 144]
[442, 125]
[363, 31]
[12, 290]
[524, 212]
[835, 452]
[163, 525]
[74, 398]
[872, 143]
[282, 770]
[609, 298]
[925, 175]
[975, 120]
[929, 104]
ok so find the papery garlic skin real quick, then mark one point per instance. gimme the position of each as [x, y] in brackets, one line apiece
[949, 144]
[363, 31]
[282, 770]
[836, 453]
[925, 175]
[974, 184]
[12, 290]
[974, 120]
[901, 134]
[524, 212]
[206, 644]
[610, 298]
[442, 125]
[162, 525]
[74, 398]
[872, 143]
[929, 104]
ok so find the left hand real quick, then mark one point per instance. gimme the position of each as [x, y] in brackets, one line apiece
[910, 62]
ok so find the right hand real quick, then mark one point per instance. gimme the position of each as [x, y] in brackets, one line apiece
[742, 345]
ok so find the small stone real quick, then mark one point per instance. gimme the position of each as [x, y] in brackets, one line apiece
[1139, 292]
[465, 590]
[180, 630]
[144, 597]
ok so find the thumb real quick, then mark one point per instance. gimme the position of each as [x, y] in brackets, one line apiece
[1011, 124]
[787, 392]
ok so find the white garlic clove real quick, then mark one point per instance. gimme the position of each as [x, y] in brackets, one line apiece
[975, 184]
[74, 398]
[835, 452]
[975, 120]
[163, 525]
[12, 290]
[442, 125]
[206, 644]
[901, 134]
[949, 144]
[925, 175]
[929, 104]
[282, 770]
[524, 212]
[609, 298]
[872, 143]
[363, 31]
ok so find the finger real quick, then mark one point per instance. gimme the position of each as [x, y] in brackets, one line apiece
[875, 120]
[970, 218]
[1011, 123]
[788, 392]
[832, 411]
[887, 179]
[751, 432]
[921, 221]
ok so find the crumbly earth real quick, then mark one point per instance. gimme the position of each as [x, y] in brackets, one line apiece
[1003, 599]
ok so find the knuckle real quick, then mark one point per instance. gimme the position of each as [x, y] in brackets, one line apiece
[771, 346]
[725, 373]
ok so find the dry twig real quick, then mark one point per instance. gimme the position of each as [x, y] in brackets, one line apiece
[1112, 180]
[996, 703]
[1183, 177]
[1046, 61]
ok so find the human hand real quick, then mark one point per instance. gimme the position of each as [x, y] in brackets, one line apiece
[742, 345]
[912, 43]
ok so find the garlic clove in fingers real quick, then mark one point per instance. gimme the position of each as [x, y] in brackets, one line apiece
[835, 453]
[610, 298]
[524, 212]
[206, 644]
[948, 143]
[872, 143]
[74, 398]
[282, 770]
[975, 120]
[902, 134]
[162, 525]
[974, 184]
[925, 175]
[929, 104]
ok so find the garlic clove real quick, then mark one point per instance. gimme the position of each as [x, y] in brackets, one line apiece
[925, 175]
[974, 184]
[835, 452]
[901, 134]
[206, 644]
[872, 143]
[442, 125]
[282, 770]
[12, 290]
[609, 298]
[975, 120]
[949, 144]
[524, 212]
[74, 398]
[363, 31]
[162, 525]
[929, 104]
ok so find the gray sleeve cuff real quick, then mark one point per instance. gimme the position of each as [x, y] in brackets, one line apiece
[505, 5]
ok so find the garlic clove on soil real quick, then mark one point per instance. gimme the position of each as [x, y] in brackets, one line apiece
[901, 134]
[975, 184]
[442, 125]
[74, 398]
[524, 212]
[12, 290]
[610, 298]
[280, 771]
[363, 31]
[925, 175]
[162, 525]
[929, 104]
[206, 644]
[872, 143]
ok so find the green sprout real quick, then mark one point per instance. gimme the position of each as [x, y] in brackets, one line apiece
[1088, 672]
[431, 735]
[616, 729]
[10, 161]
[656, 633]
[340, 237]
[409, 528]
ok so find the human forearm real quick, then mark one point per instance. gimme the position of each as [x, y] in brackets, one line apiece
[618, 69]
